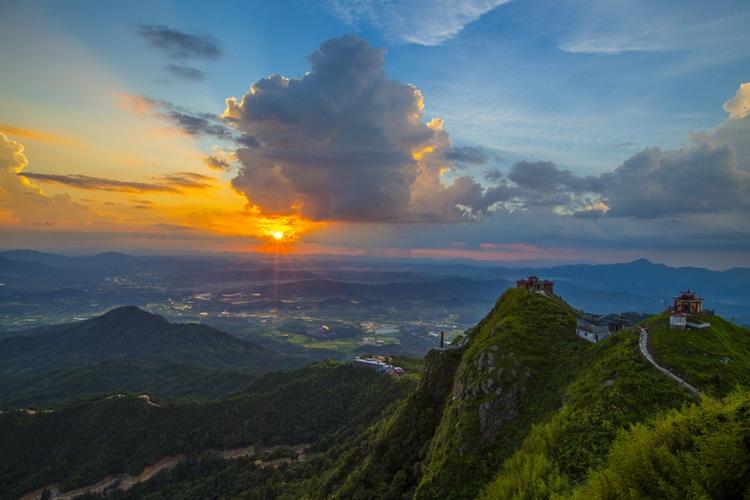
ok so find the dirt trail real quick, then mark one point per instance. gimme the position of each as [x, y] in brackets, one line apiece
[643, 344]
[124, 482]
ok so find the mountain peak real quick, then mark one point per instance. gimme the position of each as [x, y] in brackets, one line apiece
[642, 262]
[131, 314]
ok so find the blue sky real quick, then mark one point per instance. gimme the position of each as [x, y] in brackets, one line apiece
[585, 85]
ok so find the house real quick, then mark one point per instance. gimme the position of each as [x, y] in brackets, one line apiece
[678, 320]
[379, 365]
[595, 328]
[688, 302]
[589, 327]
[686, 311]
[534, 284]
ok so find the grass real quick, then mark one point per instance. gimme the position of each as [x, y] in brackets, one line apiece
[508, 375]
[716, 360]
[617, 389]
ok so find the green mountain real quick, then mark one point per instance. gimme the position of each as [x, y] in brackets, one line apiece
[81, 443]
[522, 409]
[530, 410]
[127, 350]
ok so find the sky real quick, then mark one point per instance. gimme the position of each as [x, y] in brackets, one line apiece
[511, 131]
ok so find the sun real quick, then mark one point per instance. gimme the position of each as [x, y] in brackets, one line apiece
[277, 235]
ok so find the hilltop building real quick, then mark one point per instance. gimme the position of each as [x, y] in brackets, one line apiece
[688, 302]
[688, 306]
[595, 328]
[378, 364]
[678, 321]
[534, 284]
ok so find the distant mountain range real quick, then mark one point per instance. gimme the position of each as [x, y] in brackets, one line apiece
[446, 288]
[124, 348]
[29, 277]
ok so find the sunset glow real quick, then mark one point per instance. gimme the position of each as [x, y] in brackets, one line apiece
[380, 139]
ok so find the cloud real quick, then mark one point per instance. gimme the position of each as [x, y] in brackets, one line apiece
[710, 31]
[739, 105]
[178, 44]
[424, 22]
[189, 122]
[220, 159]
[22, 203]
[700, 178]
[171, 183]
[493, 175]
[186, 72]
[345, 142]
[37, 135]
[707, 177]
[544, 176]
[187, 180]
[471, 155]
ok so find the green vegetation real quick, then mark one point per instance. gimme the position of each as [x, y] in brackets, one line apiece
[525, 410]
[128, 376]
[81, 443]
[513, 374]
[128, 350]
[716, 359]
[384, 462]
[702, 451]
[211, 477]
[526, 403]
[619, 389]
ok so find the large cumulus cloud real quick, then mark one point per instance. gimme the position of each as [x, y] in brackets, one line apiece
[346, 142]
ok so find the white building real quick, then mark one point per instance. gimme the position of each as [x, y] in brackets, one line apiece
[378, 365]
[678, 320]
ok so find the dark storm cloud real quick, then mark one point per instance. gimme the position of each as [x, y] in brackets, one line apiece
[172, 183]
[199, 124]
[180, 45]
[546, 177]
[247, 141]
[493, 175]
[185, 72]
[346, 142]
[471, 155]
[697, 179]
[337, 141]
[693, 180]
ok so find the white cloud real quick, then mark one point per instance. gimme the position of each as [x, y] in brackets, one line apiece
[616, 27]
[424, 22]
[739, 105]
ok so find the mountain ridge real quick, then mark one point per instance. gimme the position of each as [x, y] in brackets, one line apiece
[126, 334]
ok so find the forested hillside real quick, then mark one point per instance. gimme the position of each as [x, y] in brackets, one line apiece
[81, 443]
[128, 350]
[523, 408]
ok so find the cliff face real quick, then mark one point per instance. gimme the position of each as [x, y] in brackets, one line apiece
[386, 463]
[472, 407]
[512, 374]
